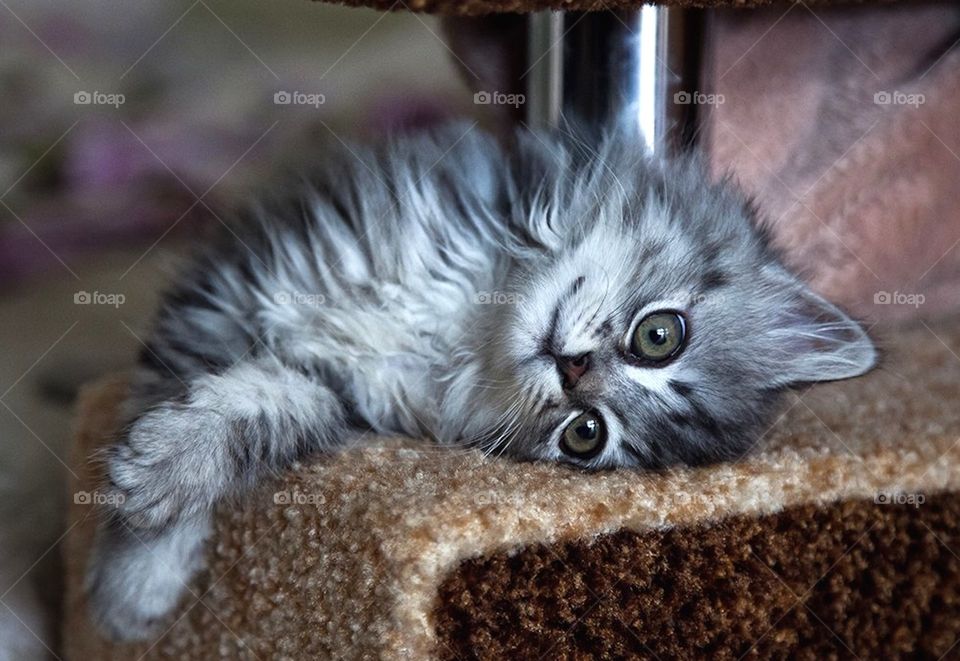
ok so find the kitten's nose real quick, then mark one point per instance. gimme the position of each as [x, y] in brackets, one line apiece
[571, 368]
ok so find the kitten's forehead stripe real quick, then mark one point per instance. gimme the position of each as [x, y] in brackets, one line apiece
[561, 314]
[605, 328]
[712, 252]
[714, 279]
[549, 342]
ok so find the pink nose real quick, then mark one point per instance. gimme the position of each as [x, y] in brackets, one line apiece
[572, 368]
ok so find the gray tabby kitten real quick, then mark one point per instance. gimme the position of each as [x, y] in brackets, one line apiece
[553, 302]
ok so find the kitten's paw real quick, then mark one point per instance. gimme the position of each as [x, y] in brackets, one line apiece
[166, 468]
[134, 582]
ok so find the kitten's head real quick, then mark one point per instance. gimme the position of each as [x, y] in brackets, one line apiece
[654, 325]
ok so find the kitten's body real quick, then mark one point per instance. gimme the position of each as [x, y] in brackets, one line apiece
[442, 287]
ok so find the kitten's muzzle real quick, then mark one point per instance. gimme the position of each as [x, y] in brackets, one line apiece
[572, 368]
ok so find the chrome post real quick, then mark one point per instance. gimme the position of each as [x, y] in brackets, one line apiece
[637, 66]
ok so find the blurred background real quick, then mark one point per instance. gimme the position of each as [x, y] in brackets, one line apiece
[125, 127]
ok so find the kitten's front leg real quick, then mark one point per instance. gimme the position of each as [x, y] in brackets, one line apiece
[176, 462]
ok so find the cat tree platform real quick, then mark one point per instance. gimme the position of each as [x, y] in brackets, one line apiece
[484, 7]
[840, 538]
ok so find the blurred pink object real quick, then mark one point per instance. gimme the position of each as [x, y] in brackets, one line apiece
[843, 124]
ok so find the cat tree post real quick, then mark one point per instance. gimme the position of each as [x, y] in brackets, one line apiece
[637, 66]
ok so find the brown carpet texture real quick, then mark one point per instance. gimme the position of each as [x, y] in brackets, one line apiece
[851, 580]
[838, 538]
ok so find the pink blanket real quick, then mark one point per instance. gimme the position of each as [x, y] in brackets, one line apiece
[845, 125]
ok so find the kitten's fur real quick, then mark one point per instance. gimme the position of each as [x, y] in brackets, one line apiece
[360, 301]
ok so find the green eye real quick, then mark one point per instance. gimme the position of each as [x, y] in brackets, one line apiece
[584, 437]
[658, 336]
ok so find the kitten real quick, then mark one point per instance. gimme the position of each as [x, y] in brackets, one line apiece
[550, 303]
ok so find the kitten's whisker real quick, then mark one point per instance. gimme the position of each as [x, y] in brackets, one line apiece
[481, 437]
[507, 422]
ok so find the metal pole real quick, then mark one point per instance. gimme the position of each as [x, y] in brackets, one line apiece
[638, 66]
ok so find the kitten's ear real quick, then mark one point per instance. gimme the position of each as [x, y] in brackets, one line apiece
[817, 341]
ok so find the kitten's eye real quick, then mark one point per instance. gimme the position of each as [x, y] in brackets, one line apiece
[658, 336]
[584, 437]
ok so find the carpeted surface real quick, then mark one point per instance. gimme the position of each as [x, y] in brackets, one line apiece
[853, 579]
[400, 550]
